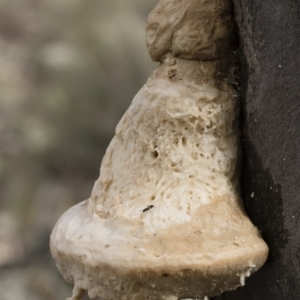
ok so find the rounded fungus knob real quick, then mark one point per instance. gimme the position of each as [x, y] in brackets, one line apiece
[165, 219]
[193, 29]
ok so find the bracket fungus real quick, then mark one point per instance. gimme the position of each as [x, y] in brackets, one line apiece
[165, 219]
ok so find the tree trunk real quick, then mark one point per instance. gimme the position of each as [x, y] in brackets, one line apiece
[270, 93]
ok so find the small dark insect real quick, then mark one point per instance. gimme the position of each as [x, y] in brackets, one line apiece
[148, 208]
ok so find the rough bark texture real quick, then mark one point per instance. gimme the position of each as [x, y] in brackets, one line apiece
[270, 92]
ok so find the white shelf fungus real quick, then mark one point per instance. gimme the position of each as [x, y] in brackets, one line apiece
[165, 219]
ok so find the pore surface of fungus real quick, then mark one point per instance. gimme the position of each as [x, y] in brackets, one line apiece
[165, 219]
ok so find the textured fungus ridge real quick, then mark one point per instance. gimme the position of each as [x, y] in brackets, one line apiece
[175, 148]
[165, 220]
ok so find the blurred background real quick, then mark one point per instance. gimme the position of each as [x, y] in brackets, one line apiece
[68, 71]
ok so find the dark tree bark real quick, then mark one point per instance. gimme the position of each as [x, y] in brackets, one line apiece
[269, 34]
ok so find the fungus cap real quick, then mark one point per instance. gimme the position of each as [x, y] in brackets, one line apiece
[165, 219]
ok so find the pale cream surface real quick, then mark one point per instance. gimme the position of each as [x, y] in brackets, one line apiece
[127, 263]
[175, 148]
